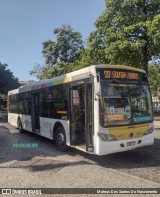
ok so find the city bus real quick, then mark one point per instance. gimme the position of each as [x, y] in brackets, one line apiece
[100, 109]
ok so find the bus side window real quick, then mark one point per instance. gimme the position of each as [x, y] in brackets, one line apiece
[54, 102]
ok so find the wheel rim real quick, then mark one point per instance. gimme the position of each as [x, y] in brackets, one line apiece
[60, 139]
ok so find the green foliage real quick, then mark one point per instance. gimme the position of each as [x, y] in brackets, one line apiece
[95, 53]
[128, 32]
[49, 71]
[59, 54]
[7, 80]
[154, 78]
[66, 48]
[88, 57]
[36, 71]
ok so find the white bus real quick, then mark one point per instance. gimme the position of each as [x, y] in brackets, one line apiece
[100, 109]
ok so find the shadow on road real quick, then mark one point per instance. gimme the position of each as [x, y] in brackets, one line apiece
[34, 159]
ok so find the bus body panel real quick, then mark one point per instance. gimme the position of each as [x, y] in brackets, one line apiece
[47, 128]
[12, 119]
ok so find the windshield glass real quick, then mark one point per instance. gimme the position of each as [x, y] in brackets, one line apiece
[124, 104]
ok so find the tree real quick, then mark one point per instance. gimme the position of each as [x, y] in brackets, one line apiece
[93, 54]
[58, 54]
[7, 80]
[128, 32]
[154, 78]
[37, 71]
[49, 71]
[95, 51]
[66, 48]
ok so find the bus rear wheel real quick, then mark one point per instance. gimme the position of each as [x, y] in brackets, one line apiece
[60, 138]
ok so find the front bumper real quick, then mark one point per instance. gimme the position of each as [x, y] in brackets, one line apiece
[107, 147]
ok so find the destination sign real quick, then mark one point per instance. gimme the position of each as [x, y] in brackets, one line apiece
[112, 74]
[121, 74]
[114, 117]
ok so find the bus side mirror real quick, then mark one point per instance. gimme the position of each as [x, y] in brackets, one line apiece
[97, 89]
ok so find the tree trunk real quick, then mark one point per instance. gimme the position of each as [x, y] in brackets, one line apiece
[145, 58]
[145, 48]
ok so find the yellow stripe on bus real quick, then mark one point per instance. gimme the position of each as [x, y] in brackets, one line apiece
[64, 80]
[124, 132]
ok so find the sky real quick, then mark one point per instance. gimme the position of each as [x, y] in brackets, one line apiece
[25, 24]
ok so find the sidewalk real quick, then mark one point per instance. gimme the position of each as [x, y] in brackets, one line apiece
[157, 122]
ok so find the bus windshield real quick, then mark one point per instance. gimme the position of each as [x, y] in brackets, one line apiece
[124, 104]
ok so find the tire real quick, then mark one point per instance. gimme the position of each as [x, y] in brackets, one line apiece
[19, 126]
[60, 138]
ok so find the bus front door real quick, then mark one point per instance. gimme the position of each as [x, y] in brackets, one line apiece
[35, 112]
[81, 117]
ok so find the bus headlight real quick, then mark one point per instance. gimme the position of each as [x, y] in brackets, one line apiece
[150, 130]
[106, 137]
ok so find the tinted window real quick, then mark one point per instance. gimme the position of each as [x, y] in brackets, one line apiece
[54, 101]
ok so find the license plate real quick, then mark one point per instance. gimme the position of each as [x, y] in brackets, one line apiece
[131, 143]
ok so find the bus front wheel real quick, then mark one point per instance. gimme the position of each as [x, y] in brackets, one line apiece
[60, 138]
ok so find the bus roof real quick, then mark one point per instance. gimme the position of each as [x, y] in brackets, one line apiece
[72, 76]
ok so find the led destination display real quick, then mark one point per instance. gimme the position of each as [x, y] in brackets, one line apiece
[108, 74]
[121, 74]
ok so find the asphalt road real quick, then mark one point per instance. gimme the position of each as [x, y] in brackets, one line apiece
[47, 167]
